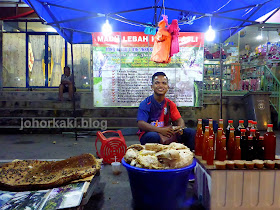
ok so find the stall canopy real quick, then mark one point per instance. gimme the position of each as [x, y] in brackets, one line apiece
[75, 20]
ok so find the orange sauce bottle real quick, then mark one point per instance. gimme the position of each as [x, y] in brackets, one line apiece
[223, 150]
[231, 144]
[199, 138]
[205, 143]
[237, 149]
[218, 142]
[210, 151]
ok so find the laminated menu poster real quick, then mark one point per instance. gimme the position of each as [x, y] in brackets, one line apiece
[123, 70]
[23, 200]
[64, 197]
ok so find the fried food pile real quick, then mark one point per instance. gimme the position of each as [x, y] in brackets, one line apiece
[35, 174]
[158, 156]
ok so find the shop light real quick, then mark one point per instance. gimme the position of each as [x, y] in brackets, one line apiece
[107, 28]
[210, 34]
[260, 37]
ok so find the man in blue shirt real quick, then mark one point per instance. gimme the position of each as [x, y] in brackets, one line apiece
[154, 113]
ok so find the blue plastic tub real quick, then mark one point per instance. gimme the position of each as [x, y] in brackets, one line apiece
[159, 189]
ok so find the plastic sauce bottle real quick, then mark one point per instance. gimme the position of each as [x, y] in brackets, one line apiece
[230, 125]
[205, 143]
[210, 151]
[211, 131]
[254, 125]
[269, 143]
[238, 129]
[237, 149]
[243, 144]
[249, 127]
[223, 150]
[199, 138]
[260, 148]
[221, 125]
[250, 149]
[231, 144]
[218, 142]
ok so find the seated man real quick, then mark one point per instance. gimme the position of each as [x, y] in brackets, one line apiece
[66, 84]
[153, 116]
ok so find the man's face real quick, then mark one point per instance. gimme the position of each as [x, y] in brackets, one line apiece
[67, 71]
[160, 85]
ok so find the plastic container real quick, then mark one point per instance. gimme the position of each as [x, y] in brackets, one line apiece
[159, 189]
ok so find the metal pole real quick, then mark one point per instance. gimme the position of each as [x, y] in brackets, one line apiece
[1, 55]
[221, 77]
[73, 98]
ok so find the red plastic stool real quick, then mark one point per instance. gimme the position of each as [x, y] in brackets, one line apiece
[110, 147]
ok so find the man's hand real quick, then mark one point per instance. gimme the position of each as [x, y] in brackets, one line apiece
[178, 129]
[167, 131]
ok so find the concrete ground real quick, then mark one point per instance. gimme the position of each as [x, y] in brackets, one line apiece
[113, 191]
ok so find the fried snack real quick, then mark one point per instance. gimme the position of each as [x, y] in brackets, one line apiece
[170, 154]
[148, 161]
[35, 174]
[136, 146]
[146, 152]
[130, 155]
[155, 147]
[177, 146]
[159, 156]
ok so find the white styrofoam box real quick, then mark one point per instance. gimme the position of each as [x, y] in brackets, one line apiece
[238, 189]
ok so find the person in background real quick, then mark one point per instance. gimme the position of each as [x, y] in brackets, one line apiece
[66, 84]
[153, 116]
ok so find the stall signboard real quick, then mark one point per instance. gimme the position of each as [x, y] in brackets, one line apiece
[123, 70]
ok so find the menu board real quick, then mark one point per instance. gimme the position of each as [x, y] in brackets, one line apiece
[123, 70]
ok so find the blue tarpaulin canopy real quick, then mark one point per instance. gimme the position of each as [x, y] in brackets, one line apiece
[76, 20]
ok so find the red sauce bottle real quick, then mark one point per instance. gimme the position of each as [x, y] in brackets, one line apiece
[237, 149]
[269, 143]
[199, 138]
[231, 144]
[238, 129]
[210, 151]
[223, 150]
[205, 143]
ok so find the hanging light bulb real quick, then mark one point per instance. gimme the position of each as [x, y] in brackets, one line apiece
[260, 37]
[107, 28]
[210, 34]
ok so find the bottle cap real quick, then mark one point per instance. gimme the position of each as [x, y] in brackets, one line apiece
[221, 120]
[241, 121]
[250, 121]
[261, 137]
[243, 130]
[220, 129]
[199, 119]
[210, 119]
[254, 122]
[253, 130]
[270, 125]
[230, 121]
[250, 137]
[238, 137]
[232, 129]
